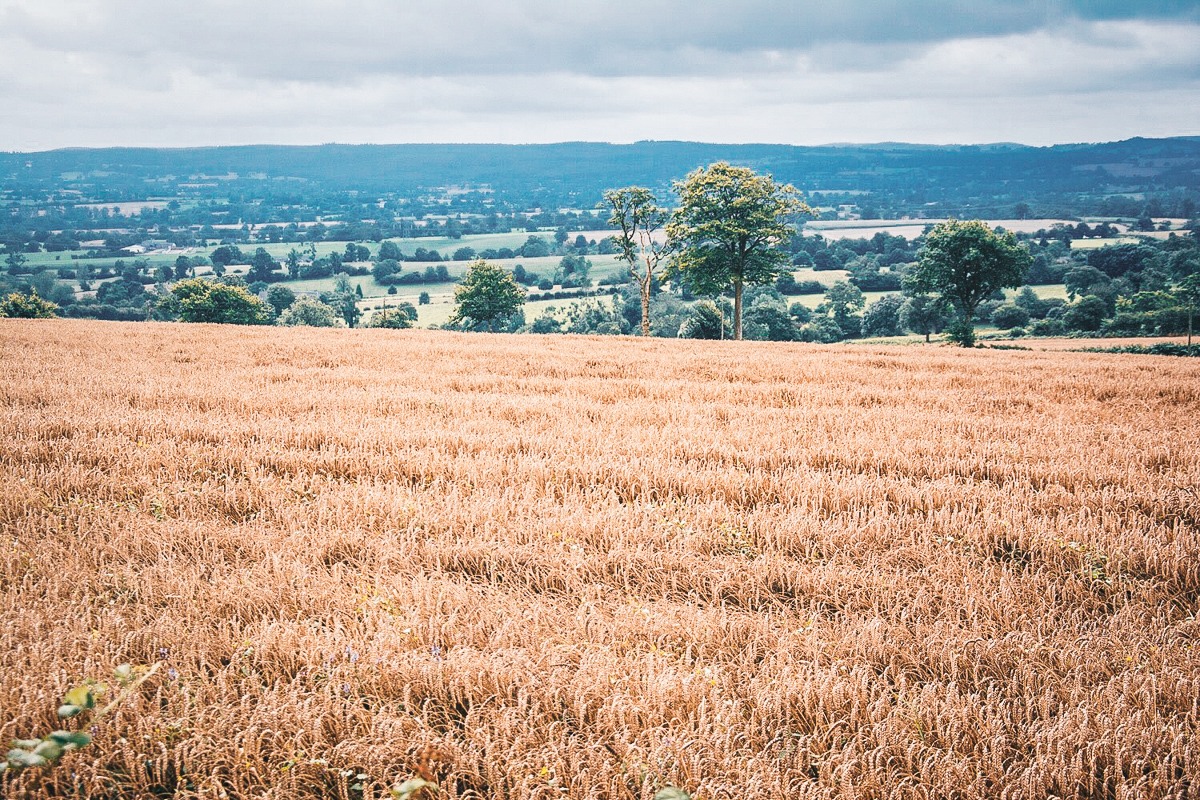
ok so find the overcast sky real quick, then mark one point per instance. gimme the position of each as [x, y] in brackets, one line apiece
[94, 73]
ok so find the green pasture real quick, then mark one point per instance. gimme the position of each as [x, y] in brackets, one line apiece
[444, 245]
[1053, 290]
[1096, 244]
[436, 313]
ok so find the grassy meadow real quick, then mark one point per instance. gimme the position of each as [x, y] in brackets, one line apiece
[542, 567]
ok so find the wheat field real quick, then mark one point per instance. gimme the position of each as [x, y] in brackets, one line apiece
[540, 567]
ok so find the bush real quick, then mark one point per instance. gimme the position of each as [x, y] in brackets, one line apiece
[546, 323]
[822, 328]
[800, 312]
[106, 311]
[1156, 349]
[1010, 316]
[704, 322]
[1047, 327]
[312, 313]
[1160, 322]
[28, 306]
[280, 297]
[385, 271]
[882, 318]
[787, 284]
[401, 316]
[769, 320]
[1085, 314]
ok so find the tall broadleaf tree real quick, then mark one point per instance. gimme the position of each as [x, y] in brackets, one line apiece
[487, 296]
[635, 210]
[729, 231]
[965, 262]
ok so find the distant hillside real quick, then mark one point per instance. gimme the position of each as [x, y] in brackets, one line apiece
[902, 176]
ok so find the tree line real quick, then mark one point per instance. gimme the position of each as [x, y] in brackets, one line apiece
[717, 265]
[732, 229]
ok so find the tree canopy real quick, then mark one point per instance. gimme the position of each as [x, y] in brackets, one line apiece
[487, 295]
[400, 316]
[199, 300]
[27, 306]
[728, 230]
[964, 262]
[310, 312]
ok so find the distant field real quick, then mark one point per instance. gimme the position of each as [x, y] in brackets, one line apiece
[442, 305]
[1093, 244]
[1053, 290]
[1080, 344]
[444, 245]
[129, 207]
[827, 277]
[912, 228]
[593, 567]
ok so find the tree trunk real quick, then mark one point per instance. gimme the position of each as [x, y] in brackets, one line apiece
[737, 310]
[645, 287]
[966, 331]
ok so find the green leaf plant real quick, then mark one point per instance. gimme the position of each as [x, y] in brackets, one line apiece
[46, 751]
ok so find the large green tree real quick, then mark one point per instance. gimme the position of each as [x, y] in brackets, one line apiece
[729, 231]
[487, 295]
[15, 261]
[923, 314]
[262, 266]
[199, 300]
[636, 212]
[964, 262]
[280, 297]
[389, 250]
[845, 301]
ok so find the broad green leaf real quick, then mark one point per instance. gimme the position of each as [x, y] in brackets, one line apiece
[71, 740]
[123, 673]
[81, 696]
[26, 744]
[69, 710]
[49, 750]
[23, 758]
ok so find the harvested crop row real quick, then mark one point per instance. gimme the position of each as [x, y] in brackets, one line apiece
[596, 567]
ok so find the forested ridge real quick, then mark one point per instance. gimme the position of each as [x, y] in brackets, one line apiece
[1070, 178]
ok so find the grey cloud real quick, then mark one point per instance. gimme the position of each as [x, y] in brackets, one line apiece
[336, 42]
[214, 71]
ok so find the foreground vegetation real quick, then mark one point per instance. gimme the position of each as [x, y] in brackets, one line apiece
[535, 567]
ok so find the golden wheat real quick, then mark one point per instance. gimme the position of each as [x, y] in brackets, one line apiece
[593, 567]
